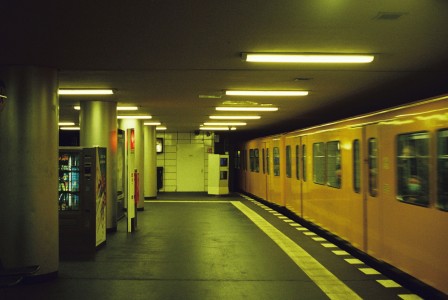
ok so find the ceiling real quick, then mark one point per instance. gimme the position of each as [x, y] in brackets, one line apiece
[162, 54]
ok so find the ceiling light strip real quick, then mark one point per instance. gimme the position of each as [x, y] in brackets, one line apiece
[235, 117]
[85, 92]
[225, 124]
[266, 93]
[235, 108]
[307, 58]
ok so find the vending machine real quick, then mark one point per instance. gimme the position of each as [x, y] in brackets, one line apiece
[82, 201]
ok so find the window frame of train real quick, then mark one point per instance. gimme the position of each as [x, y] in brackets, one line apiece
[257, 160]
[442, 169]
[297, 163]
[288, 161]
[319, 163]
[333, 164]
[251, 160]
[356, 166]
[412, 167]
[372, 160]
[237, 159]
[263, 162]
[244, 161]
[303, 154]
[276, 156]
[268, 166]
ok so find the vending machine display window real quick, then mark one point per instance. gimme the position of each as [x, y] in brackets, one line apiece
[69, 181]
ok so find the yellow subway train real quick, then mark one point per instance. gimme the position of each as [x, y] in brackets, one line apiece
[379, 181]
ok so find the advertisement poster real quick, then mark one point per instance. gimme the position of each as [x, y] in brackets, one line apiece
[101, 195]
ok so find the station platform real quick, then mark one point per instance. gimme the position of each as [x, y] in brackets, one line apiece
[196, 246]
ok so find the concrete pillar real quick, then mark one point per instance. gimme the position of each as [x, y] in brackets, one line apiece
[150, 162]
[29, 219]
[139, 149]
[98, 122]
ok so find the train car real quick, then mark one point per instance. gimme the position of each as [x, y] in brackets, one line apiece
[378, 181]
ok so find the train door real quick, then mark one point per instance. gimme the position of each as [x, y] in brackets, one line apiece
[303, 172]
[372, 202]
[264, 175]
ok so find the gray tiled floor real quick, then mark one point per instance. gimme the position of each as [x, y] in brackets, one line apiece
[193, 250]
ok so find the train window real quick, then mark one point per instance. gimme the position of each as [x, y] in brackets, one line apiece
[263, 162]
[333, 164]
[256, 160]
[319, 163]
[442, 169]
[276, 155]
[237, 159]
[268, 167]
[413, 168]
[251, 160]
[373, 171]
[356, 166]
[297, 162]
[244, 160]
[288, 161]
[304, 162]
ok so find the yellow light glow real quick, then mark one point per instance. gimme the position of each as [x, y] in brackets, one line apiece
[225, 124]
[152, 123]
[69, 128]
[66, 123]
[85, 92]
[236, 108]
[135, 117]
[235, 117]
[213, 128]
[127, 108]
[267, 93]
[160, 128]
[307, 58]
[120, 108]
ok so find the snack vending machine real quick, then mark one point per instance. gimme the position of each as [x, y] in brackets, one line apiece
[82, 201]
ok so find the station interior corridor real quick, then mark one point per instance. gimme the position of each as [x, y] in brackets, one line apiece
[195, 246]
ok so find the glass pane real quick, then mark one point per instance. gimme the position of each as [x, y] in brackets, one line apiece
[373, 170]
[413, 168]
[237, 159]
[256, 161]
[319, 163]
[442, 170]
[69, 181]
[288, 161]
[334, 164]
[304, 162]
[276, 161]
[252, 161]
[263, 160]
[356, 167]
[297, 162]
[268, 166]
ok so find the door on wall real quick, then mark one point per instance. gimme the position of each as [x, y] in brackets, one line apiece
[190, 168]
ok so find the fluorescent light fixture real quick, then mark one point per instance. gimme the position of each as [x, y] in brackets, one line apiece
[232, 128]
[160, 128]
[212, 128]
[307, 58]
[266, 93]
[69, 128]
[127, 108]
[151, 123]
[121, 108]
[235, 117]
[66, 123]
[237, 108]
[225, 124]
[135, 117]
[85, 92]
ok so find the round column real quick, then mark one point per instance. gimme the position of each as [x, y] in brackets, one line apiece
[98, 122]
[29, 169]
[150, 162]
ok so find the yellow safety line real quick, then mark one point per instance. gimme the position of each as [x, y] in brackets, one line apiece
[186, 201]
[324, 279]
